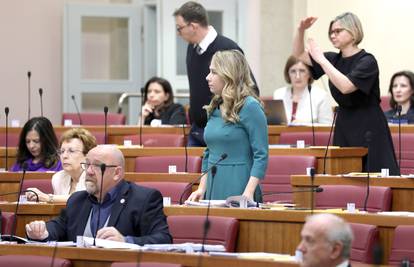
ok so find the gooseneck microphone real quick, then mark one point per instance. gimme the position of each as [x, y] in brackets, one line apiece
[103, 168]
[311, 114]
[207, 221]
[41, 101]
[316, 190]
[329, 139]
[23, 191]
[368, 137]
[77, 109]
[141, 122]
[29, 74]
[312, 176]
[6, 111]
[106, 124]
[399, 109]
[190, 185]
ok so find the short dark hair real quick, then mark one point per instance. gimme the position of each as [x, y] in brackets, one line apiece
[193, 12]
[166, 86]
[292, 60]
[48, 141]
[410, 76]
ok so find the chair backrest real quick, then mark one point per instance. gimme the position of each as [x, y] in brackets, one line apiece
[144, 264]
[407, 151]
[89, 118]
[337, 196]
[161, 163]
[321, 138]
[366, 237]
[278, 173]
[12, 139]
[44, 185]
[174, 190]
[33, 261]
[385, 102]
[7, 219]
[189, 228]
[157, 140]
[402, 245]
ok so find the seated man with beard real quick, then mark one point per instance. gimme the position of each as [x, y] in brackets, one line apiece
[127, 212]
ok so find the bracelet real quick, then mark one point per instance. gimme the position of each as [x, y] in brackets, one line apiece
[50, 200]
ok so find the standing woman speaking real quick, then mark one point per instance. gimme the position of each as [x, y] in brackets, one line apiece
[354, 83]
[236, 126]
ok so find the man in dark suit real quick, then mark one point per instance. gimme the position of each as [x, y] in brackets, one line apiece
[326, 241]
[113, 209]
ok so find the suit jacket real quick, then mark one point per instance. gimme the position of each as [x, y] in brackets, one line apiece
[137, 212]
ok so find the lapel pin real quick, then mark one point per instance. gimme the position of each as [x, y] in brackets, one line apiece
[122, 201]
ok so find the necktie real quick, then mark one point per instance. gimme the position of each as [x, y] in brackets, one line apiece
[198, 50]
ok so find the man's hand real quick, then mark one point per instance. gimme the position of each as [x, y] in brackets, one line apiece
[110, 233]
[37, 230]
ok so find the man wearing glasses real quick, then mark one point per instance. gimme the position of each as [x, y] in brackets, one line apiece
[110, 208]
[192, 26]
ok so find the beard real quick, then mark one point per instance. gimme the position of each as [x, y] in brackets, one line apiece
[91, 188]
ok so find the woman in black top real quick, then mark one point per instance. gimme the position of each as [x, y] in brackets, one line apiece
[354, 84]
[402, 94]
[159, 104]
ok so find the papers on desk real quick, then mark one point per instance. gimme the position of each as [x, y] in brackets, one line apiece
[83, 241]
[397, 213]
[257, 255]
[204, 203]
[184, 247]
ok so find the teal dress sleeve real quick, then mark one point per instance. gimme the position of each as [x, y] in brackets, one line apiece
[253, 120]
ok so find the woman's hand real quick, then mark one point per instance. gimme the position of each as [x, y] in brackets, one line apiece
[196, 195]
[315, 51]
[306, 23]
[32, 196]
[147, 109]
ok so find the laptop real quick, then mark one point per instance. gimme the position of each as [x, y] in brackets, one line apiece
[275, 111]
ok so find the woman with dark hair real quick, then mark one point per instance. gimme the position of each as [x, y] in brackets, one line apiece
[159, 103]
[37, 147]
[354, 83]
[402, 94]
[296, 97]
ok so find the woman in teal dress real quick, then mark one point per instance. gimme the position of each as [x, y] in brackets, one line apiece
[237, 127]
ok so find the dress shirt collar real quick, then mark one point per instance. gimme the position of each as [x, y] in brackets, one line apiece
[208, 39]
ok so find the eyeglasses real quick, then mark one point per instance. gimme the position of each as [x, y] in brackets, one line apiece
[70, 151]
[336, 31]
[95, 166]
[180, 28]
[297, 72]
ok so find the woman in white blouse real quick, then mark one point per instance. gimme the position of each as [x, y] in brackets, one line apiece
[74, 145]
[296, 96]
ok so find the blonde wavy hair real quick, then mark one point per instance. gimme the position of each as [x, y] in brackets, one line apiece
[232, 67]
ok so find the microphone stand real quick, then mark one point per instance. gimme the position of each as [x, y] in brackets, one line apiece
[103, 168]
[329, 139]
[41, 101]
[29, 74]
[106, 124]
[311, 110]
[312, 176]
[368, 140]
[207, 222]
[316, 189]
[13, 232]
[6, 111]
[399, 109]
[141, 120]
[77, 110]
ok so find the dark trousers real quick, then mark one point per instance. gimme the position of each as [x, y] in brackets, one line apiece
[196, 136]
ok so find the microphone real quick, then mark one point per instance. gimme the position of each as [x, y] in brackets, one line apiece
[106, 124]
[185, 149]
[19, 192]
[29, 74]
[103, 168]
[207, 221]
[399, 109]
[41, 101]
[141, 120]
[329, 139]
[311, 111]
[312, 176]
[77, 110]
[190, 185]
[6, 111]
[316, 190]
[368, 136]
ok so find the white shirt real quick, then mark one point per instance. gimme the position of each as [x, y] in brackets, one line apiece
[208, 39]
[61, 182]
[321, 106]
[343, 264]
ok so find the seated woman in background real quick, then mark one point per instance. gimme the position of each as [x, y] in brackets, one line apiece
[74, 145]
[296, 96]
[402, 94]
[37, 147]
[159, 104]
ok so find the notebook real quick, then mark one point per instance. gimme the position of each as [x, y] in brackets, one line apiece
[275, 111]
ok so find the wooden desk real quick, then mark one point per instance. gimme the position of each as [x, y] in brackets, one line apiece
[9, 181]
[260, 230]
[93, 257]
[402, 188]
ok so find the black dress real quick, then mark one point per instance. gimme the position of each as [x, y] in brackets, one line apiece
[360, 120]
[173, 114]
